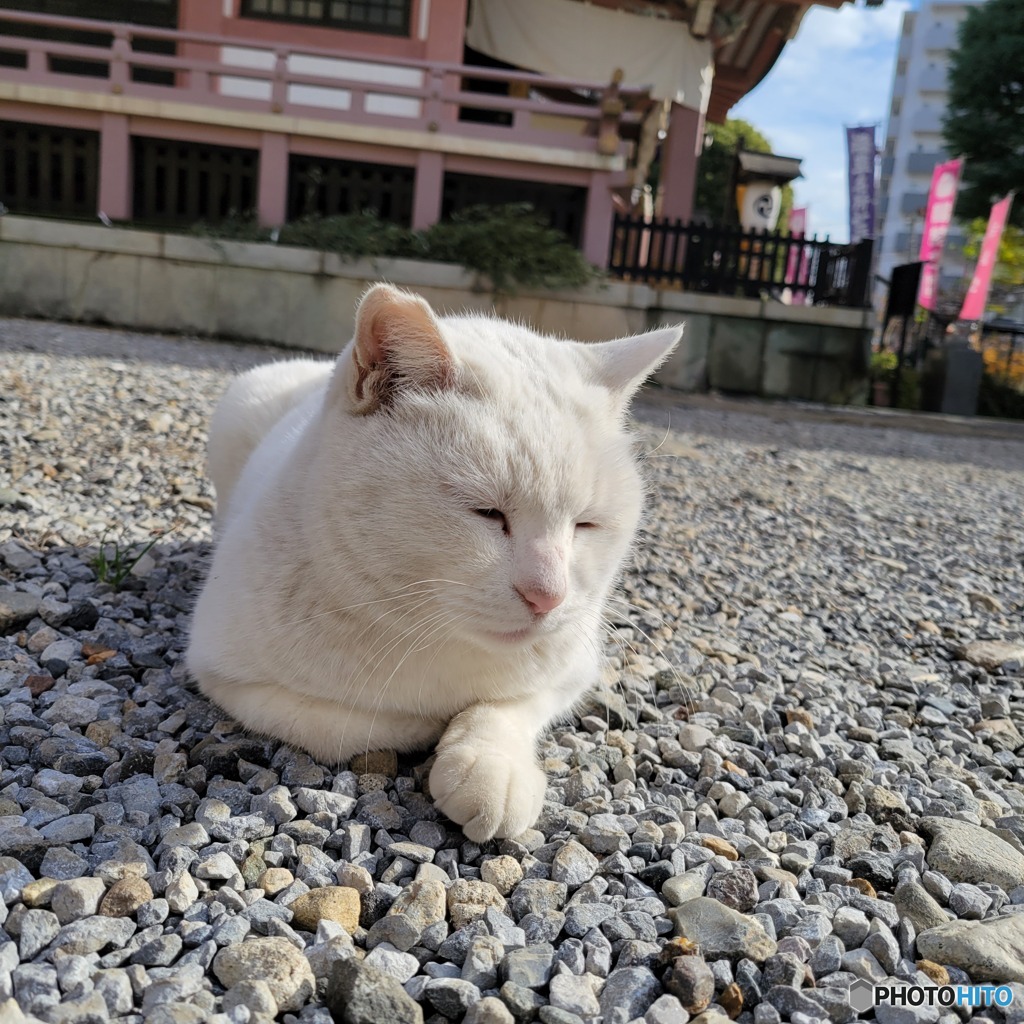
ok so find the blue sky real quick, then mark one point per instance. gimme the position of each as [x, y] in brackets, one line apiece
[836, 72]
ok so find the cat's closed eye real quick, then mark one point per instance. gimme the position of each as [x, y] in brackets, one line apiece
[495, 515]
[586, 526]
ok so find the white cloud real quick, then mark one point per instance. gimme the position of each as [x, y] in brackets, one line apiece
[836, 72]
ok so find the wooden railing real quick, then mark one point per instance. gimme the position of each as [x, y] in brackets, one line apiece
[257, 76]
[730, 261]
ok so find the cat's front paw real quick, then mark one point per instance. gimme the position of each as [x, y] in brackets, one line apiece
[490, 792]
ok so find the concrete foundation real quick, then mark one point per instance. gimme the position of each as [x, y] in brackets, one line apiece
[306, 299]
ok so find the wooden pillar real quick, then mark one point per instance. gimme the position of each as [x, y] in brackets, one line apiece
[426, 197]
[679, 153]
[597, 220]
[115, 184]
[272, 201]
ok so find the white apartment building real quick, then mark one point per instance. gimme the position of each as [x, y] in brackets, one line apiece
[913, 139]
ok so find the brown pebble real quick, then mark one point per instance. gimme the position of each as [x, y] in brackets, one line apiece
[864, 886]
[102, 732]
[720, 847]
[731, 766]
[90, 647]
[935, 971]
[39, 684]
[731, 1000]
[37, 894]
[125, 896]
[679, 946]
[377, 762]
[329, 903]
[801, 716]
[273, 880]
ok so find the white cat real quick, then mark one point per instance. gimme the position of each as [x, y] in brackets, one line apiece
[416, 545]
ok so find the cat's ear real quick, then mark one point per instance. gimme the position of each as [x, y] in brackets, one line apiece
[397, 344]
[623, 365]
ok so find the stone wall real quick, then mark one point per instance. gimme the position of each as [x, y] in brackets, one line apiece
[306, 299]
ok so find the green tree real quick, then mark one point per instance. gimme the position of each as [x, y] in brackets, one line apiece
[1008, 273]
[985, 110]
[714, 170]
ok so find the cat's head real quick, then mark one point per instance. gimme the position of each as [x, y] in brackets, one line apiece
[486, 465]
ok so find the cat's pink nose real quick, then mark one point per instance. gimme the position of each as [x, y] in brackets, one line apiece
[541, 601]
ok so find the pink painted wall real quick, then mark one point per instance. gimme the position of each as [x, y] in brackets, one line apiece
[445, 34]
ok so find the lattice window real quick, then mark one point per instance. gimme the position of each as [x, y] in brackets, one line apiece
[330, 187]
[563, 205]
[185, 182]
[389, 17]
[48, 170]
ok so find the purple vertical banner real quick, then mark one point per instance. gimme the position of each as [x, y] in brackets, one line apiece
[860, 148]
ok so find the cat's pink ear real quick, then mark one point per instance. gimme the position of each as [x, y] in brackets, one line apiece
[623, 365]
[397, 344]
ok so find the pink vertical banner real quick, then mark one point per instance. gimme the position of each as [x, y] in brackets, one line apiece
[797, 229]
[977, 295]
[797, 258]
[939, 214]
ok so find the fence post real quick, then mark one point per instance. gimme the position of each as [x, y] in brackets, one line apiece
[279, 82]
[120, 56]
[860, 273]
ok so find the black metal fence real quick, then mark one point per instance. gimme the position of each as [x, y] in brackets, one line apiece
[730, 261]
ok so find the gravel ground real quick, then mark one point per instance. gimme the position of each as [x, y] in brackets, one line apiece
[808, 770]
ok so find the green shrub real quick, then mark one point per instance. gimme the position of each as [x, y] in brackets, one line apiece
[883, 363]
[351, 236]
[512, 245]
[998, 398]
[883, 369]
[236, 227]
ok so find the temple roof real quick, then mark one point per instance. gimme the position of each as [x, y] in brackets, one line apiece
[767, 165]
[747, 36]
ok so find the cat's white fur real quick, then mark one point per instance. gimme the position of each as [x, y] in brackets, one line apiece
[359, 598]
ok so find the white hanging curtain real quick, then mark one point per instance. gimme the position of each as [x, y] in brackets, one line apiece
[579, 41]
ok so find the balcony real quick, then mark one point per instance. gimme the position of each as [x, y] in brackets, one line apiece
[927, 121]
[913, 203]
[940, 37]
[924, 163]
[932, 80]
[322, 93]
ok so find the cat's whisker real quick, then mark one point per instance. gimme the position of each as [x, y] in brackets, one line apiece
[381, 651]
[384, 646]
[651, 690]
[381, 639]
[400, 595]
[438, 647]
[668, 432]
[588, 640]
[422, 637]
